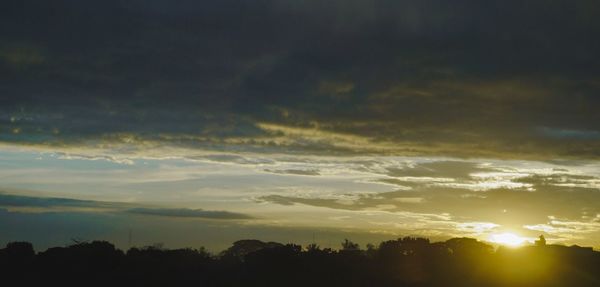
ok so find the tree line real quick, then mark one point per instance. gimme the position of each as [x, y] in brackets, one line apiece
[407, 261]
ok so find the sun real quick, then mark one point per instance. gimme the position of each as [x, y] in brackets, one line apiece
[508, 239]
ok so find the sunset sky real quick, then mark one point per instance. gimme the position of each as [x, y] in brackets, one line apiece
[198, 123]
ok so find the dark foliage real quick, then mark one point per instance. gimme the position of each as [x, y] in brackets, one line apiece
[403, 262]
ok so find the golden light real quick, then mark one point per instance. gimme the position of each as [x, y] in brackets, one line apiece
[508, 239]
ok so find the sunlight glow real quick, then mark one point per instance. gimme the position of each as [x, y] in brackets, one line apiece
[508, 239]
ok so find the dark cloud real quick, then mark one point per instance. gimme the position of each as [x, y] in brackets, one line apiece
[465, 78]
[184, 212]
[321, 202]
[442, 169]
[11, 200]
[66, 204]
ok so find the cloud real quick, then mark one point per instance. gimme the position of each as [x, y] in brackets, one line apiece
[568, 229]
[311, 172]
[287, 106]
[67, 156]
[11, 200]
[21, 203]
[498, 192]
[382, 77]
[458, 170]
[21, 57]
[184, 212]
[234, 158]
[493, 195]
[570, 133]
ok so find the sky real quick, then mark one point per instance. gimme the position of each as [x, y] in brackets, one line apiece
[198, 123]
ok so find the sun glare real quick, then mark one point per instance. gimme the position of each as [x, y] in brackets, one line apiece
[508, 239]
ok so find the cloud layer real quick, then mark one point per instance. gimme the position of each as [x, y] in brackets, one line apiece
[494, 79]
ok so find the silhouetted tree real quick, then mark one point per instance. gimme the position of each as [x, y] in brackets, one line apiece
[348, 245]
[407, 261]
[541, 241]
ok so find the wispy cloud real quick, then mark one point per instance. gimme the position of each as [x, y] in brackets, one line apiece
[310, 172]
[22, 203]
[12, 200]
[184, 212]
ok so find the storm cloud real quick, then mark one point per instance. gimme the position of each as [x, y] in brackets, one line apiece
[457, 78]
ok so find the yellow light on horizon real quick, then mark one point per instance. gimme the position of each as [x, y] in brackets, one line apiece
[508, 239]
